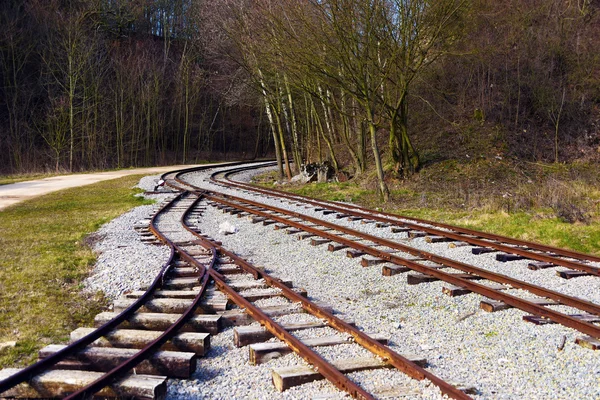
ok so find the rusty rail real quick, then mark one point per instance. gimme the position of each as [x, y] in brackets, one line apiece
[582, 326]
[322, 366]
[396, 219]
[155, 345]
[43, 365]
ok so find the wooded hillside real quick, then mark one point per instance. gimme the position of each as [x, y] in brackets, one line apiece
[390, 84]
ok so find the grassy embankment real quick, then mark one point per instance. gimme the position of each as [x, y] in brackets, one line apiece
[44, 260]
[558, 205]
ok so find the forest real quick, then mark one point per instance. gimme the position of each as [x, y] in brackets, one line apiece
[367, 85]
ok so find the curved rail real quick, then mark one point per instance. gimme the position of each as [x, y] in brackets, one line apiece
[47, 363]
[313, 358]
[514, 301]
[153, 346]
[397, 219]
[43, 365]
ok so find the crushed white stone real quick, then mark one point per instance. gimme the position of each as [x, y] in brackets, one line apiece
[124, 262]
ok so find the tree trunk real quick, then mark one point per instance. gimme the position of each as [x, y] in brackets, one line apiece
[326, 139]
[403, 154]
[272, 123]
[286, 160]
[383, 189]
[294, 128]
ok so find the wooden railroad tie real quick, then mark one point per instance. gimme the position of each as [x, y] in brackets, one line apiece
[569, 273]
[287, 377]
[174, 306]
[181, 283]
[505, 257]
[159, 322]
[493, 306]
[184, 272]
[455, 291]
[245, 335]
[60, 383]
[416, 234]
[368, 261]
[269, 293]
[393, 269]
[263, 352]
[588, 342]
[318, 242]
[453, 245]
[196, 342]
[396, 229]
[355, 253]
[534, 266]
[482, 250]
[230, 269]
[438, 239]
[591, 318]
[239, 317]
[335, 247]
[416, 279]
[175, 364]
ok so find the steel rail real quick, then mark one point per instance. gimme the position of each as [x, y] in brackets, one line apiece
[177, 173]
[322, 366]
[396, 219]
[43, 365]
[348, 207]
[121, 369]
[514, 301]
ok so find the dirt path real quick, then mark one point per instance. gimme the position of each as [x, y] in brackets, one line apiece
[17, 192]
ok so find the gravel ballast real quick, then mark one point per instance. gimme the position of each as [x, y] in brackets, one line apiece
[124, 262]
[499, 354]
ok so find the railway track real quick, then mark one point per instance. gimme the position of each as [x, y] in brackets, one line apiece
[204, 287]
[508, 249]
[102, 359]
[464, 278]
[323, 317]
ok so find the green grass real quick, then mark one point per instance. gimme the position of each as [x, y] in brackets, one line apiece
[535, 226]
[44, 260]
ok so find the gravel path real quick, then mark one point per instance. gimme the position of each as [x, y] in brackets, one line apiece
[498, 353]
[17, 192]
